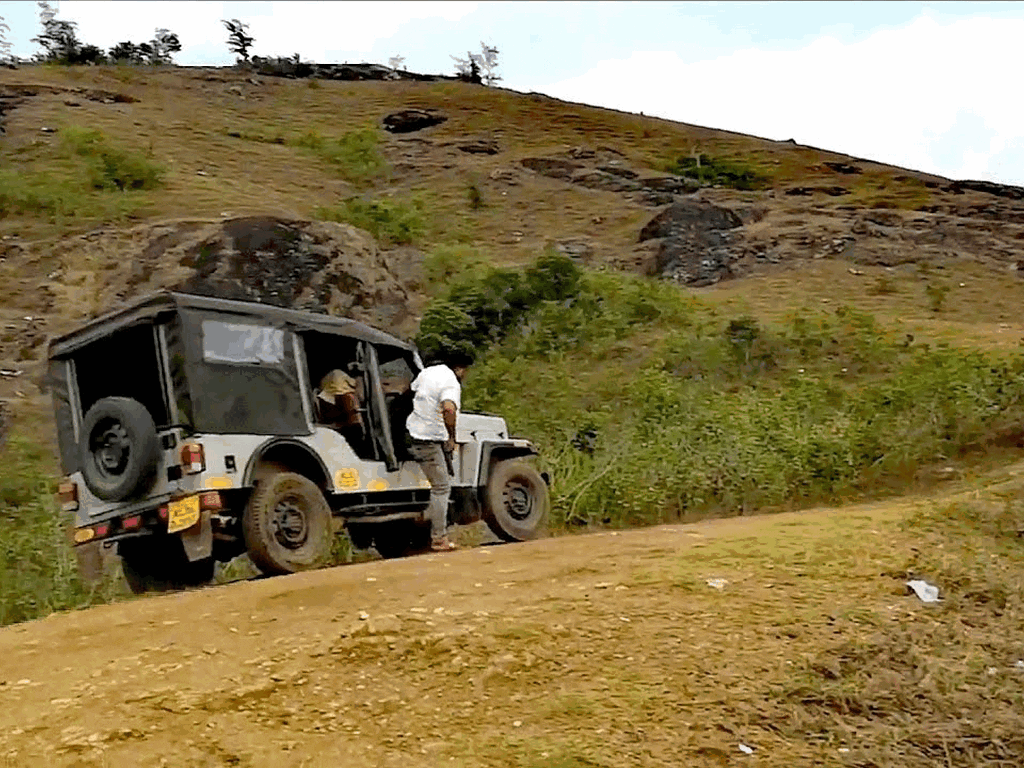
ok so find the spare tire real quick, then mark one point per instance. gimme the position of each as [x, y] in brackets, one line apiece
[119, 449]
[515, 501]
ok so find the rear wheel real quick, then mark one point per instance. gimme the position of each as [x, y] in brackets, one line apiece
[515, 501]
[159, 564]
[287, 524]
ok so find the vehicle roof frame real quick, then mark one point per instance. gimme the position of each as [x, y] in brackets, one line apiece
[153, 306]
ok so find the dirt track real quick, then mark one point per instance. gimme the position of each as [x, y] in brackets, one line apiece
[605, 649]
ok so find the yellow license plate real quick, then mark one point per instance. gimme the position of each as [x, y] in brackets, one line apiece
[182, 514]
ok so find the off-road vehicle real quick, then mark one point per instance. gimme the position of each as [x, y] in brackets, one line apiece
[192, 429]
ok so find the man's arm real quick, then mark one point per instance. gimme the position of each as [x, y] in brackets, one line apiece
[448, 413]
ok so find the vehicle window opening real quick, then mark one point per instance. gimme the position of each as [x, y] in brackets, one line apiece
[242, 343]
[339, 389]
[124, 364]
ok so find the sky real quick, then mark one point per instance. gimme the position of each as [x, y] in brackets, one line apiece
[931, 86]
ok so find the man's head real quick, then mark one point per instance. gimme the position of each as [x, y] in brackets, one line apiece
[459, 361]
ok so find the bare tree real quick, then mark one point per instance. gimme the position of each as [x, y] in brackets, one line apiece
[238, 41]
[488, 63]
[479, 67]
[5, 44]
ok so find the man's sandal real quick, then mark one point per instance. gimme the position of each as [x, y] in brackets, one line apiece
[443, 545]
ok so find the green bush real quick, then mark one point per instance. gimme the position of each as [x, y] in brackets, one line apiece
[448, 263]
[481, 309]
[721, 171]
[111, 168]
[392, 222]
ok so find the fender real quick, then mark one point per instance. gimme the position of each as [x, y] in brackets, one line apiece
[501, 449]
[275, 443]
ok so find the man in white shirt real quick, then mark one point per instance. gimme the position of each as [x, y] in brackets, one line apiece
[431, 426]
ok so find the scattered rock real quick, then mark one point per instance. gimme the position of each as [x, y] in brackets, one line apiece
[409, 120]
[844, 168]
[552, 167]
[575, 249]
[480, 147]
[988, 187]
[614, 170]
[805, 191]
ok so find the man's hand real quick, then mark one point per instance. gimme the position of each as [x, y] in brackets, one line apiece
[449, 446]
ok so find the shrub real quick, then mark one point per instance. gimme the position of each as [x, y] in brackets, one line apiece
[722, 171]
[447, 263]
[111, 168]
[355, 154]
[389, 221]
[481, 309]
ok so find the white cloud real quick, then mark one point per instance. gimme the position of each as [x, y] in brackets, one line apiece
[891, 97]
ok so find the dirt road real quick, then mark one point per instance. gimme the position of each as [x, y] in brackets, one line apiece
[603, 649]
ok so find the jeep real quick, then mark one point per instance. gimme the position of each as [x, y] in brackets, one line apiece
[192, 429]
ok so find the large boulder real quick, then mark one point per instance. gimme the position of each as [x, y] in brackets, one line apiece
[314, 265]
[695, 245]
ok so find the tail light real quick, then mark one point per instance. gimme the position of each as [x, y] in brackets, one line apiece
[83, 535]
[132, 523]
[210, 501]
[67, 491]
[193, 459]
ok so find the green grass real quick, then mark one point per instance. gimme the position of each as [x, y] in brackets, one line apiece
[355, 155]
[38, 569]
[83, 176]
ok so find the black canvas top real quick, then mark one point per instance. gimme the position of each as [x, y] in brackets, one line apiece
[149, 307]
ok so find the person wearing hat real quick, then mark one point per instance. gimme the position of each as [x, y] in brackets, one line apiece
[437, 398]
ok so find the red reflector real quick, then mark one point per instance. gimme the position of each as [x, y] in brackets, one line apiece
[102, 530]
[193, 458]
[131, 523]
[162, 514]
[210, 500]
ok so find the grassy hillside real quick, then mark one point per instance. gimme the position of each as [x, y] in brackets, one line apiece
[870, 339]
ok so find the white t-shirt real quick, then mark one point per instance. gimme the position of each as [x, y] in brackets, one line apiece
[433, 386]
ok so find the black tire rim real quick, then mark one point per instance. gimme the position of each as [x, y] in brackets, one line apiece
[111, 448]
[518, 500]
[291, 524]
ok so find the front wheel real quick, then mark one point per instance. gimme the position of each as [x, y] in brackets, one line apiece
[515, 500]
[287, 525]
